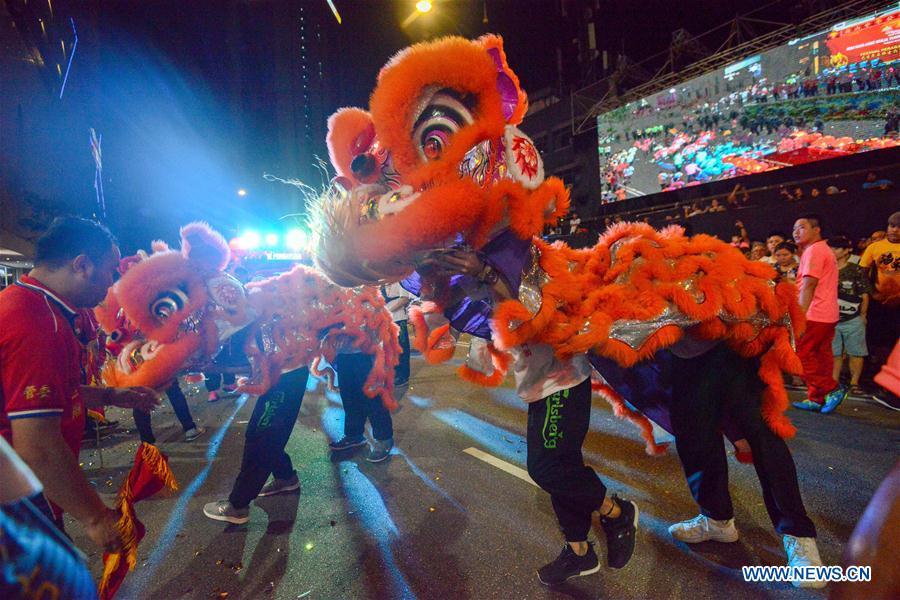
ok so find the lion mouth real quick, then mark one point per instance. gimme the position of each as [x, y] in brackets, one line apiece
[135, 353]
[377, 202]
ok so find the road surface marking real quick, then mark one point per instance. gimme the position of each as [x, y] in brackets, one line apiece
[501, 464]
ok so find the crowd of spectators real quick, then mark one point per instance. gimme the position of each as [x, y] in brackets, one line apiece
[740, 196]
[696, 140]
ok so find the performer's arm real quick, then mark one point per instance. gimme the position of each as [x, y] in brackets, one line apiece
[469, 263]
[397, 303]
[141, 398]
[39, 442]
[807, 289]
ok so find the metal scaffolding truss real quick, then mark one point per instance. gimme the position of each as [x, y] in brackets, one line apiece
[741, 41]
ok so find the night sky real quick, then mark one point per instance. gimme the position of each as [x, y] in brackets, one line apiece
[184, 128]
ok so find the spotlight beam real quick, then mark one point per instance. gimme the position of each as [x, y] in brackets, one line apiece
[334, 11]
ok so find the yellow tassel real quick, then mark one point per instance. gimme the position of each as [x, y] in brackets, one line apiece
[93, 414]
[153, 458]
[126, 528]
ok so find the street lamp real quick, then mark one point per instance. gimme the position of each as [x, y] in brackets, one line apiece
[242, 192]
[423, 6]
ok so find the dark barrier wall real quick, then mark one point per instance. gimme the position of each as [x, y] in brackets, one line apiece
[855, 214]
[845, 172]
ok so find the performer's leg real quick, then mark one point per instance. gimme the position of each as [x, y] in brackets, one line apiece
[557, 426]
[695, 415]
[352, 373]
[144, 427]
[771, 457]
[179, 403]
[212, 381]
[380, 418]
[283, 468]
[402, 374]
[267, 434]
[814, 350]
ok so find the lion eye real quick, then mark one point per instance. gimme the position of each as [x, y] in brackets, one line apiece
[442, 117]
[168, 303]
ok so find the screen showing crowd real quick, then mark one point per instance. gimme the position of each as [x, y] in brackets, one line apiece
[826, 95]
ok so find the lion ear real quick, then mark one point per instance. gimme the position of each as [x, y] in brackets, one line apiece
[514, 99]
[350, 133]
[201, 245]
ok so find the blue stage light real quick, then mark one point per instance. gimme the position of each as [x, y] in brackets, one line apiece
[271, 239]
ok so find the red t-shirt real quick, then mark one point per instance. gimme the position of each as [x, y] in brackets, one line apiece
[40, 360]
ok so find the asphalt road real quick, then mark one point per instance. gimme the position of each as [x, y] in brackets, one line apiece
[437, 521]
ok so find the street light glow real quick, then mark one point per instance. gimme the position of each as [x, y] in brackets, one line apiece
[242, 192]
[423, 6]
[296, 239]
[250, 240]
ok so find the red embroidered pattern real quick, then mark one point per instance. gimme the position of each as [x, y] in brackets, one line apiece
[526, 156]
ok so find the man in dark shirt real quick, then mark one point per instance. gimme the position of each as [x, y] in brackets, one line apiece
[854, 290]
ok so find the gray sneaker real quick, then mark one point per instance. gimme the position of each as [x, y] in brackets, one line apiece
[222, 510]
[280, 486]
[381, 449]
[193, 433]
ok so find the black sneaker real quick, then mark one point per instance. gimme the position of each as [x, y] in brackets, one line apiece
[620, 533]
[568, 565]
[346, 443]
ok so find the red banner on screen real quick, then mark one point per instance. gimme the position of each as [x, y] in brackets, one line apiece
[878, 38]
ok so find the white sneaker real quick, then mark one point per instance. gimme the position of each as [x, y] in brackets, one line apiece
[703, 529]
[803, 552]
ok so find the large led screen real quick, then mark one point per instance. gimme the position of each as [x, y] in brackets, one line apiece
[826, 95]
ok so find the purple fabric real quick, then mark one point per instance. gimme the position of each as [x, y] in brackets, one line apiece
[646, 388]
[509, 94]
[508, 255]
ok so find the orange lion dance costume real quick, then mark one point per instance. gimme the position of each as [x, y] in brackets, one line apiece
[438, 162]
[173, 309]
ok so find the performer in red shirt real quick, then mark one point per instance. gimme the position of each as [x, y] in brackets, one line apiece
[42, 398]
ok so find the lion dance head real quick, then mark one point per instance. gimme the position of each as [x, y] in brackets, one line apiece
[437, 160]
[173, 309]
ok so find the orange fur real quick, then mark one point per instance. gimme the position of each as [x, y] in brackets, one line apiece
[500, 362]
[204, 247]
[453, 63]
[584, 297]
[344, 128]
[299, 315]
[621, 410]
[354, 249]
[633, 274]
